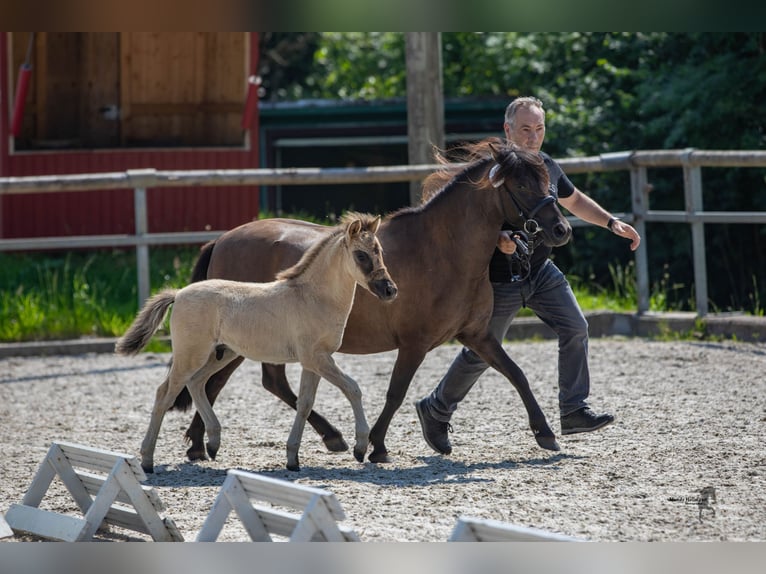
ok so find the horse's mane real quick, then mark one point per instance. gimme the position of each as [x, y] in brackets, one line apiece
[308, 258]
[465, 158]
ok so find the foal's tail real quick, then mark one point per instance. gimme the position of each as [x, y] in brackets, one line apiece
[146, 323]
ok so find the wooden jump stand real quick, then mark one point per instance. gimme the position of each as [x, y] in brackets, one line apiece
[469, 529]
[5, 530]
[106, 487]
[245, 493]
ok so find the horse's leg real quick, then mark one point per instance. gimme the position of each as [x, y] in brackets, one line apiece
[492, 352]
[275, 381]
[163, 400]
[407, 362]
[326, 367]
[306, 395]
[195, 434]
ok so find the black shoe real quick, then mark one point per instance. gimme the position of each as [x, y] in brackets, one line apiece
[434, 431]
[584, 420]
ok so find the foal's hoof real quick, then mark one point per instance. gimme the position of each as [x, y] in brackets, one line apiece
[294, 467]
[548, 442]
[148, 468]
[335, 443]
[212, 452]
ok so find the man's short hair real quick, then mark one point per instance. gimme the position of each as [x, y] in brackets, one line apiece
[521, 102]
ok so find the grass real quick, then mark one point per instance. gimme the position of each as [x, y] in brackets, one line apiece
[76, 294]
[45, 296]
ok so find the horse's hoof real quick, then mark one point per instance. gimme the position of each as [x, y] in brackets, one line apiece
[548, 442]
[196, 454]
[212, 452]
[293, 467]
[379, 456]
[359, 454]
[148, 468]
[335, 443]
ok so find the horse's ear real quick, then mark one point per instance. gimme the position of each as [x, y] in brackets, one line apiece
[375, 225]
[354, 228]
[495, 152]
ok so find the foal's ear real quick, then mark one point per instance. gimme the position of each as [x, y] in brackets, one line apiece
[354, 228]
[375, 225]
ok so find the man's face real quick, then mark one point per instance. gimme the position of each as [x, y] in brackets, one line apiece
[528, 130]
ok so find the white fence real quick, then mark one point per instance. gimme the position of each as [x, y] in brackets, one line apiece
[636, 162]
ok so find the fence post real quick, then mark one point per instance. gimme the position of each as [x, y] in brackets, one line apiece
[639, 196]
[141, 179]
[142, 249]
[693, 197]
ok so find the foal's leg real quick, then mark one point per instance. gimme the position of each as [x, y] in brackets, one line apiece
[213, 427]
[204, 407]
[275, 381]
[166, 394]
[326, 367]
[306, 395]
[195, 434]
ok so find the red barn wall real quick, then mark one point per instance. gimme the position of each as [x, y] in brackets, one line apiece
[111, 211]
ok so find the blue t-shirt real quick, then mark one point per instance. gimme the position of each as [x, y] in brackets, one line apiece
[560, 186]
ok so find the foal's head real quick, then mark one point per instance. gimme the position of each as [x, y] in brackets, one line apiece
[368, 267]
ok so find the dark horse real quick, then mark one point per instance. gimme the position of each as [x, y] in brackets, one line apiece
[438, 253]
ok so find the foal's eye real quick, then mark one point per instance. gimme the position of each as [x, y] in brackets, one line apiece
[361, 257]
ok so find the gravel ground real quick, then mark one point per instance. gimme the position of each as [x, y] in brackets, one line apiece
[689, 415]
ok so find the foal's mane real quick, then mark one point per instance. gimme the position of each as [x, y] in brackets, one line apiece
[308, 258]
[471, 156]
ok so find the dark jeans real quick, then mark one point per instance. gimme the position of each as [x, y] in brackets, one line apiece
[549, 295]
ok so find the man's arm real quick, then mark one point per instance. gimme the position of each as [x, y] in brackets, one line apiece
[584, 207]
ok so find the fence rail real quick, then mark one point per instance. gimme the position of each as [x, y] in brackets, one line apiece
[636, 162]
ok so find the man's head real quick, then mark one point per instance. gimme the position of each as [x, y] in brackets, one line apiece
[525, 123]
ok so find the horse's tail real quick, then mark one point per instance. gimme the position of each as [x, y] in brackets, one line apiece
[146, 323]
[199, 273]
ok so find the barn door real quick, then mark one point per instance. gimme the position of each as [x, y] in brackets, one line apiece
[75, 82]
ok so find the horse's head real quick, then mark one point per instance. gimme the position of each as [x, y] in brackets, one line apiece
[528, 203]
[369, 270]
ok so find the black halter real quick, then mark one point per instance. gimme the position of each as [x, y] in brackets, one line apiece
[520, 261]
[531, 227]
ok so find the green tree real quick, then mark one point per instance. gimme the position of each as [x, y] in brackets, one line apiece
[604, 92]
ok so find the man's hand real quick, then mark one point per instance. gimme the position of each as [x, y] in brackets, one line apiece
[628, 232]
[505, 244]
[509, 242]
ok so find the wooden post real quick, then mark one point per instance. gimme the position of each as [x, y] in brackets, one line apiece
[425, 101]
[639, 194]
[141, 179]
[693, 195]
[142, 250]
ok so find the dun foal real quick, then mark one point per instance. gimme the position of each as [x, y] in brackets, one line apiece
[300, 317]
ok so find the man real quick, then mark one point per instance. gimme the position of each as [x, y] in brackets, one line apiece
[545, 290]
